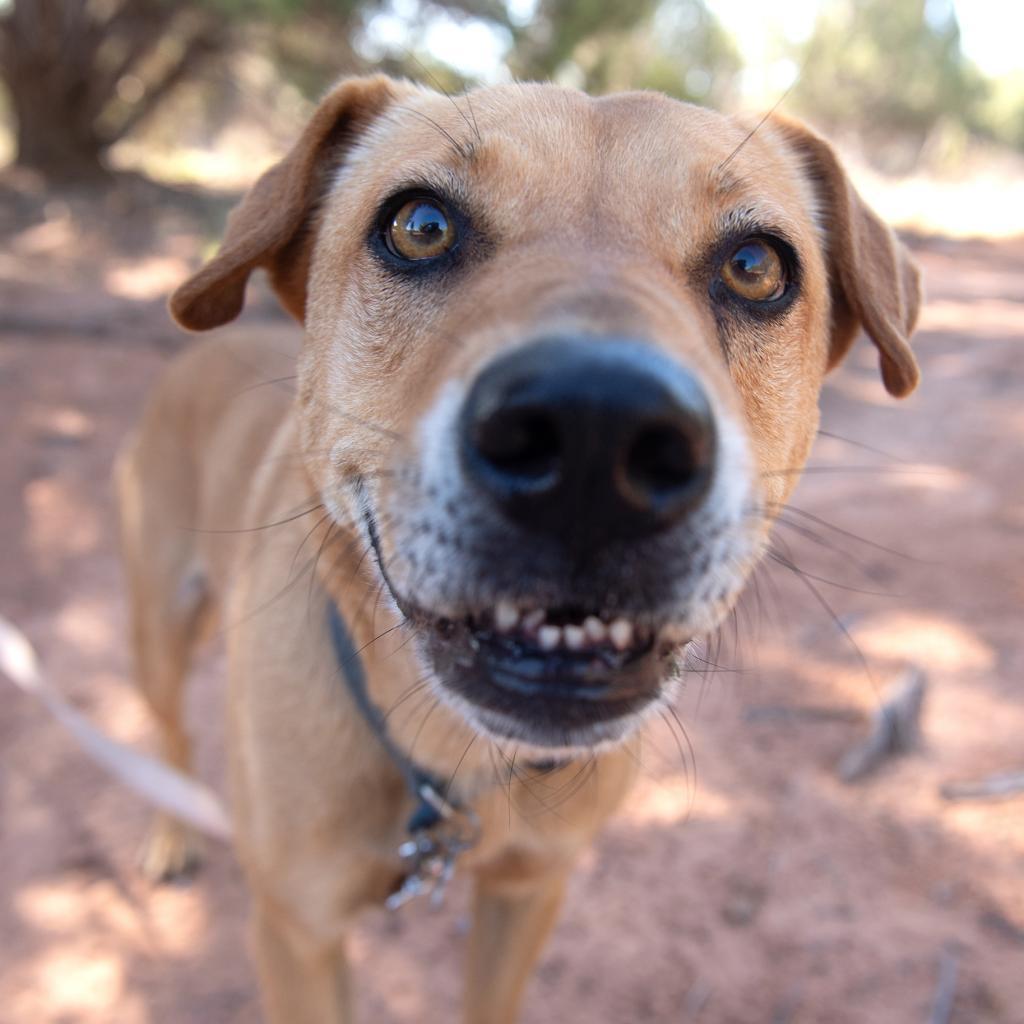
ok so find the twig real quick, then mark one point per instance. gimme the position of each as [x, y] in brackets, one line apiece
[805, 712]
[895, 727]
[985, 789]
[995, 920]
[945, 987]
[697, 998]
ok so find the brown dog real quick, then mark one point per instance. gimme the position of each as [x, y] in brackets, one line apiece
[561, 368]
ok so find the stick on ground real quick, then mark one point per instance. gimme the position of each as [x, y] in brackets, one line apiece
[895, 727]
[993, 787]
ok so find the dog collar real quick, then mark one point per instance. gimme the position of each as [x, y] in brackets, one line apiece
[439, 828]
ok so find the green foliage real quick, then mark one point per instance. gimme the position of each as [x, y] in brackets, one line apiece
[1000, 116]
[342, 10]
[891, 71]
[675, 46]
[682, 51]
[561, 26]
[887, 68]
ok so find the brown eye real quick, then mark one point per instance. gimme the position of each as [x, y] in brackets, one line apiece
[420, 230]
[755, 271]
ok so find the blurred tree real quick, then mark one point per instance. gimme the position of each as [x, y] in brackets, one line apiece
[82, 74]
[888, 69]
[1001, 115]
[676, 46]
[681, 49]
[559, 26]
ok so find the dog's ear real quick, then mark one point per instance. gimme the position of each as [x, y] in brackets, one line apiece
[875, 282]
[270, 228]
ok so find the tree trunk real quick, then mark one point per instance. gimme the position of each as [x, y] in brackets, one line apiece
[63, 62]
[48, 47]
[54, 136]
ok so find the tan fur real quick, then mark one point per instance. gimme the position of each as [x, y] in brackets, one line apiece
[598, 214]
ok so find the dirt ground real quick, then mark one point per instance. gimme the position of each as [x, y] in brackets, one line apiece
[783, 896]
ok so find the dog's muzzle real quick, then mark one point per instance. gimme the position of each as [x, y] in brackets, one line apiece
[588, 457]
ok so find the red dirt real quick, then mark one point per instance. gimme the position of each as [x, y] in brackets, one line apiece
[782, 896]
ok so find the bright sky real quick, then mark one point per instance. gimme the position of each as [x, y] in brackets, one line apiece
[991, 32]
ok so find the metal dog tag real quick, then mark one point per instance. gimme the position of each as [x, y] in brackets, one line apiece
[429, 856]
[429, 867]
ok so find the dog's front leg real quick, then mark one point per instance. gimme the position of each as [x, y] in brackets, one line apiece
[303, 982]
[511, 921]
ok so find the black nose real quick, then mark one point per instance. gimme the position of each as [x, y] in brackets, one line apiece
[589, 440]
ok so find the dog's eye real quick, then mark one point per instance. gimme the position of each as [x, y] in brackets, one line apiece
[755, 271]
[421, 229]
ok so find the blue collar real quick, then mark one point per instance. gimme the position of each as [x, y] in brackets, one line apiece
[439, 828]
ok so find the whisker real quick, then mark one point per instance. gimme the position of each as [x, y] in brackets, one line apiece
[860, 444]
[844, 532]
[459, 147]
[511, 773]
[417, 687]
[907, 470]
[451, 780]
[757, 127]
[778, 604]
[713, 666]
[691, 792]
[256, 529]
[563, 794]
[426, 718]
[816, 538]
[392, 435]
[272, 382]
[432, 78]
[422, 702]
[379, 636]
[316, 561]
[762, 614]
[472, 114]
[263, 606]
[494, 752]
[316, 526]
[840, 625]
[414, 631]
[793, 567]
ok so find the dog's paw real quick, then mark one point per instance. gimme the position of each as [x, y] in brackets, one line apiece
[171, 852]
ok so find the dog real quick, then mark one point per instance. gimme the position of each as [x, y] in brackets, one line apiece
[560, 369]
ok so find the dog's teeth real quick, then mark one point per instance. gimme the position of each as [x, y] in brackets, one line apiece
[595, 629]
[506, 616]
[531, 620]
[575, 637]
[620, 632]
[549, 637]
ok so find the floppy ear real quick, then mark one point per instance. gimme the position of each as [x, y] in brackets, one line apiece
[270, 227]
[875, 282]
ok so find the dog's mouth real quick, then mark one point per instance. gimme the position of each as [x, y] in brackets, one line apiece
[567, 676]
[566, 651]
[552, 677]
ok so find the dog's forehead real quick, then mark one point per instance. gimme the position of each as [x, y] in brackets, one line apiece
[540, 150]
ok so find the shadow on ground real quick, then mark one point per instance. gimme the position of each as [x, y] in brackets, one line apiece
[766, 891]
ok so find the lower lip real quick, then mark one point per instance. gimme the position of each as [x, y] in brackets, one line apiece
[563, 675]
[545, 692]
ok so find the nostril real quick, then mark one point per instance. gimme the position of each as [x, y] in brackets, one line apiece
[588, 441]
[664, 463]
[520, 443]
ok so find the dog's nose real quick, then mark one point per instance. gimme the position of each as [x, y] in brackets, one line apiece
[589, 440]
